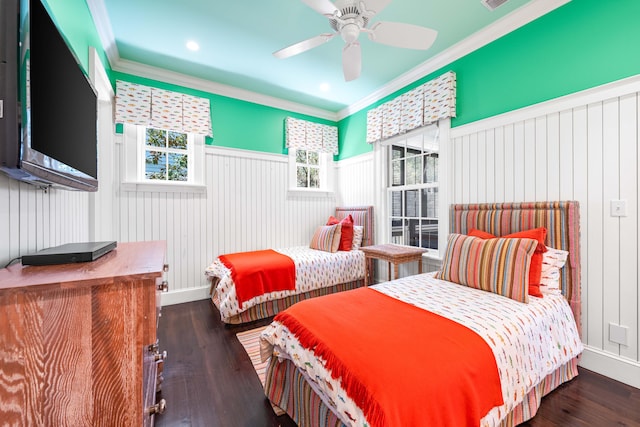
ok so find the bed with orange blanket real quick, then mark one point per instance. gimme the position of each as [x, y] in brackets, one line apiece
[470, 357]
[254, 285]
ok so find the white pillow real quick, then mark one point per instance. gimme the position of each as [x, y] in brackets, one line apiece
[358, 233]
[552, 261]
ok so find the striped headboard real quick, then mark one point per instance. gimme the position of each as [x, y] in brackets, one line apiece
[362, 215]
[561, 219]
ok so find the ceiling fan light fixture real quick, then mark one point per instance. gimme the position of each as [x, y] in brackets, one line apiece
[350, 33]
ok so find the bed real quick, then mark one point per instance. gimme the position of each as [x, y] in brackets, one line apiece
[318, 273]
[534, 346]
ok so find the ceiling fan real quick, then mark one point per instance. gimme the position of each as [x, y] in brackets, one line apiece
[349, 18]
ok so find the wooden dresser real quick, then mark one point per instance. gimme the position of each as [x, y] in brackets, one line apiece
[78, 343]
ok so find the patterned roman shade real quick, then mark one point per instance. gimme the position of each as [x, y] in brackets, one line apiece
[421, 106]
[147, 106]
[312, 136]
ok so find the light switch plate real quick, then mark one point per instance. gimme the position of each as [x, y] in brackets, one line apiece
[618, 208]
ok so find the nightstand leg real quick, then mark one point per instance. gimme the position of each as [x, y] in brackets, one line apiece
[396, 270]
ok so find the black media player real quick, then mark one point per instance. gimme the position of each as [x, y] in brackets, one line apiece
[69, 253]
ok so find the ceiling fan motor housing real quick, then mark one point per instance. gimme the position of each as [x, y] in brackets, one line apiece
[350, 19]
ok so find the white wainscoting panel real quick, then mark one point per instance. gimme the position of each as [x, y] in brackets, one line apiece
[571, 150]
[245, 207]
[32, 219]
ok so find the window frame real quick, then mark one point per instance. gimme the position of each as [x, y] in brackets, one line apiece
[133, 175]
[142, 176]
[326, 175]
[384, 161]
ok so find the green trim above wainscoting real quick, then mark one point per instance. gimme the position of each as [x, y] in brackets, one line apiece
[236, 124]
[583, 44]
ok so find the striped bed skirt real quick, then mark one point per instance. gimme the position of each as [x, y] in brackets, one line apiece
[271, 308]
[286, 387]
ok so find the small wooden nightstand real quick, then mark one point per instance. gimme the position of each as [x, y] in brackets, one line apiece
[393, 254]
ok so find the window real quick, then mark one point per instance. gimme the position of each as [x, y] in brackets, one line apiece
[414, 189]
[307, 169]
[310, 171]
[162, 160]
[167, 155]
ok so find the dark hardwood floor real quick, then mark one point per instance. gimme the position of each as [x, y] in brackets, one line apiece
[209, 381]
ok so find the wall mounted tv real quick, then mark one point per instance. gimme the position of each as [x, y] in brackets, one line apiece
[48, 111]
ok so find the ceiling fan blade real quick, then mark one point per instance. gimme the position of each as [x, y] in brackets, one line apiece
[323, 7]
[303, 46]
[398, 34]
[351, 61]
[375, 6]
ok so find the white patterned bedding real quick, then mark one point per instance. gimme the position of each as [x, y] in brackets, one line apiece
[529, 341]
[314, 269]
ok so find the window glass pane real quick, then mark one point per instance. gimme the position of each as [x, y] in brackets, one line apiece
[177, 167]
[411, 203]
[396, 203]
[303, 180]
[430, 202]
[413, 151]
[397, 177]
[414, 167]
[314, 177]
[178, 140]
[155, 165]
[429, 234]
[397, 152]
[430, 173]
[413, 237]
[313, 158]
[301, 156]
[156, 137]
[397, 231]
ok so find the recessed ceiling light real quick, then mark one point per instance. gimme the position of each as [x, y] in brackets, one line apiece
[191, 45]
[325, 87]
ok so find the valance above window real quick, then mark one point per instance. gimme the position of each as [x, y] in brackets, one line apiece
[148, 106]
[305, 135]
[426, 104]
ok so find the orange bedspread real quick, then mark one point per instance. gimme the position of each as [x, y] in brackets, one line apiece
[260, 272]
[403, 366]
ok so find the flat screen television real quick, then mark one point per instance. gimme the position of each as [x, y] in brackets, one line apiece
[48, 117]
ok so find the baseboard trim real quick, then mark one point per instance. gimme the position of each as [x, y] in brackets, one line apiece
[185, 295]
[612, 366]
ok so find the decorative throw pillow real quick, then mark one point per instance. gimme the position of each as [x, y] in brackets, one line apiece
[358, 233]
[499, 265]
[538, 234]
[326, 238]
[346, 236]
[552, 261]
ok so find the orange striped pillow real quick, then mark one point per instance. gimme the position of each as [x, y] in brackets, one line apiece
[498, 265]
[326, 238]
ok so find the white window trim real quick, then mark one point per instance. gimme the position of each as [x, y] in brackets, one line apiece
[134, 158]
[445, 176]
[327, 172]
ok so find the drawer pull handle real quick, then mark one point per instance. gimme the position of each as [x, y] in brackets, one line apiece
[165, 268]
[160, 357]
[164, 286]
[158, 408]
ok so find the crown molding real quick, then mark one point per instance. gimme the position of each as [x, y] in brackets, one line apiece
[508, 23]
[101, 20]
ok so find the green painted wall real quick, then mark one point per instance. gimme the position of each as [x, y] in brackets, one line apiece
[236, 123]
[583, 44]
